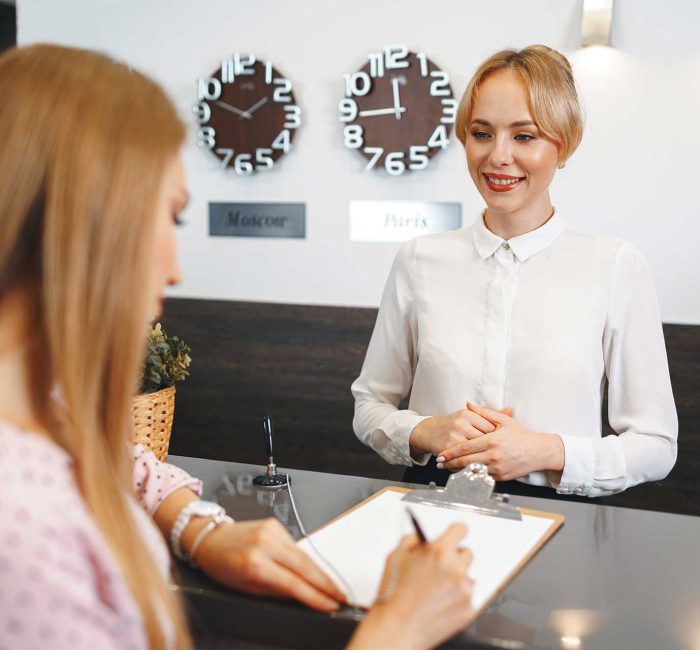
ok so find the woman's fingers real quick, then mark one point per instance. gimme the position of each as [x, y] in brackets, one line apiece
[273, 579]
[451, 537]
[291, 557]
[464, 557]
[479, 422]
[496, 417]
[464, 448]
[460, 462]
[471, 431]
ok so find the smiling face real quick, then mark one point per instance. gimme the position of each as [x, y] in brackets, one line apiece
[164, 269]
[509, 160]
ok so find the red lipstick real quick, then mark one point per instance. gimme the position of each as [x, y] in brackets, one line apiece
[511, 182]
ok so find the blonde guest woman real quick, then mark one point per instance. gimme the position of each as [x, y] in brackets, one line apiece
[91, 185]
[506, 332]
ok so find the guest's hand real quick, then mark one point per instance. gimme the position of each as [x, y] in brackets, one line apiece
[430, 600]
[510, 451]
[260, 557]
[436, 434]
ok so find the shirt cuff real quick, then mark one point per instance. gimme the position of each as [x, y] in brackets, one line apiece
[579, 466]
[396, 428]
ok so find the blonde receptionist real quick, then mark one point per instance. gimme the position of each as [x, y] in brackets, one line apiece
[505, 332]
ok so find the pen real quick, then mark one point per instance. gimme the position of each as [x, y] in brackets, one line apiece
[419, 531]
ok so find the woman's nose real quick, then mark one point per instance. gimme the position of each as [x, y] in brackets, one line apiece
[175, 275]
[502, 152]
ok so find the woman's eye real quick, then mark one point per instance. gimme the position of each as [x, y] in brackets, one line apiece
[480, 135]
[524, 137]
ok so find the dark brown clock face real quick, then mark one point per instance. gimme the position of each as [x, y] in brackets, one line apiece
[247, 114]
[398, 110]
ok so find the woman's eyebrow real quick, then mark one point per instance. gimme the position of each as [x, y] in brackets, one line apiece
[514, 124]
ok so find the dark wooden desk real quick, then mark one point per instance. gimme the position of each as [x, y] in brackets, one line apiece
[612, 578]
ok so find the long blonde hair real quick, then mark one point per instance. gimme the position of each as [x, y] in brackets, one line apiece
[85, 142]
[550, 83]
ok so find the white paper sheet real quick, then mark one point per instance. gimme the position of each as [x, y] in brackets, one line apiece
[358, 544]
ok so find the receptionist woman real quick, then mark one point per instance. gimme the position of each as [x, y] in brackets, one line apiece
[506, 332]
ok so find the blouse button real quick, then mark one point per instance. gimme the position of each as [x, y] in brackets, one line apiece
[506, 246]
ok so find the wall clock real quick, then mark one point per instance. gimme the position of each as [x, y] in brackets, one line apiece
[246, 114]
[398, 110]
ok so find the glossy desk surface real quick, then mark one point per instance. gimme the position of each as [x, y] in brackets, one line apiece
[611, 578]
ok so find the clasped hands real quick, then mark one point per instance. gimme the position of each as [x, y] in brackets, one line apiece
[481, 435]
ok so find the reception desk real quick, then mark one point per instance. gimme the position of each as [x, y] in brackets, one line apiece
[611, 578]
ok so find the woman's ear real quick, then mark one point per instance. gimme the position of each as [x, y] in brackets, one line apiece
[562, 161]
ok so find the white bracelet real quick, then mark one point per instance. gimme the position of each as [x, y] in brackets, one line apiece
[194, 508]
[214, 523]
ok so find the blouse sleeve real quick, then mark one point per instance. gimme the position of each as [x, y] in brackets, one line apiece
[641, 409]
[388, 370]
[154, 481]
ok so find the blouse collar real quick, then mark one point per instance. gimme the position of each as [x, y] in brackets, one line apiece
[524, 246]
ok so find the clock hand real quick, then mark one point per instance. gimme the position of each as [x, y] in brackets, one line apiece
[397, 101]
[235, 110]
[256, 106]
[382, 111]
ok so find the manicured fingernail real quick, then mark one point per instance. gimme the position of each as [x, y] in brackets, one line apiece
[440, 459]
[439, 465]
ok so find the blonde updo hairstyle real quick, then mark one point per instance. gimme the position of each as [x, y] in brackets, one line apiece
[550, 84]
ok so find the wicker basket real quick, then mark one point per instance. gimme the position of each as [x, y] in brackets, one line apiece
[153, 420]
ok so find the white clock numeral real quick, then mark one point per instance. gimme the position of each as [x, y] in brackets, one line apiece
[376, 65]
[263, 158]
[439, 137]
[244, 63]
[417, 156]
[441, 86]
[242, 164]
[358, 84]
[423, 64]
[208, 88]
[205, 137]
[376, 153]
[352, 135]
[449, 111]
[268, 73]
[396, 56]
[202, 112]
[227, 155]
[292, 114]
[394, 164]
[348, 109]
[282, 141]
[228, 75]
[283, 90]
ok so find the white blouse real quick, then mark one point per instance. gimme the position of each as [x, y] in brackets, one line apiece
[536, 323]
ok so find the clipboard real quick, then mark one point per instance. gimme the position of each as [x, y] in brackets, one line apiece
[356, 543]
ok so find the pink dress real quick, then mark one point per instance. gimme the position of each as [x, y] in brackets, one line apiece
[60, 586]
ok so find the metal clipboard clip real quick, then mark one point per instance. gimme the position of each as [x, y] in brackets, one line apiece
[470, 490]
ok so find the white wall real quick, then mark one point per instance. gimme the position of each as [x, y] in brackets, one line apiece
[634, 176]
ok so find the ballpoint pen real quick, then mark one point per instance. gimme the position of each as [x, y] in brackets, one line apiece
[419, 531]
